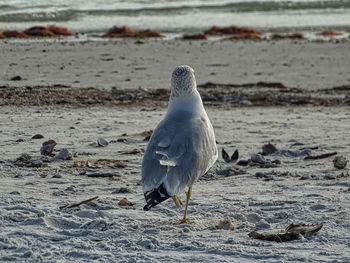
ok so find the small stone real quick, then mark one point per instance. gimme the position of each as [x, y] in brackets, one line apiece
[258, 158]
[268, 149]
[64, 154]
[48, 147]
[125, 202]
[102, 142]
[20, 140]
[16, 78]
[23, 158]
[243, 162]
[340, 162]
[43, 175]
[37, 136]
[226, 225]
[122, 190]
[35, 163]
[57, 176]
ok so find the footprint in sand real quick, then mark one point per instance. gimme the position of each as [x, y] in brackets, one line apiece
[60, 223]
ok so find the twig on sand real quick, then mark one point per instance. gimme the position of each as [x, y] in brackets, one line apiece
[321, 156]
[78, 204]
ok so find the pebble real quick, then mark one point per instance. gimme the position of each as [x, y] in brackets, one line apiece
[102, 142]
[57, 176]
[35, 163]
[258, 158]
[48, 147]
[340, 162]
[16, 78]
[38, 136]
[268, 149]
[64, 154]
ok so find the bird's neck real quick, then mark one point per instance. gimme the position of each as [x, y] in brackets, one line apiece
[190, 102]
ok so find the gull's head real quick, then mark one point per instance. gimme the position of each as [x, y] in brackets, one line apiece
[183, 81]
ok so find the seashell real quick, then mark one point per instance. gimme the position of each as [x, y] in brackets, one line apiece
[102, 142]
[340, 162]
[226, 225]
[227, 158]
[48, 147]
[125, 202]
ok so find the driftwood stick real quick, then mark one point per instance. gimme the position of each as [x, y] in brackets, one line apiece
[321, 156]
[78, 204]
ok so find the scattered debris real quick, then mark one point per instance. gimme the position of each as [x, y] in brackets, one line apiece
[122, 190]
[24, 157]
[340, 162]
[321, 156]
[125, 202]
[295, 36]
[103, 174]
[124, 31]
[39, 31]
[231, 30]
[102, 142]
[226, 225]
[48, 147]
[38, 136]
[230, 172]
[268, 149]
[227, 158]
[195, 37]
[257, 93]
[134, 151]
[146, 133]
[101, 163]
[81, 203]
[330, 33]
[292, 232]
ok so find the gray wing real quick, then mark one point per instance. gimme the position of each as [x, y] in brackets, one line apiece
[180, 150]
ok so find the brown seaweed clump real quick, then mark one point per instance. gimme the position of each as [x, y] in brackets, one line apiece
[2, 35]
[14, 34]
[329, 33]
[235, 32]
[296, 36]
[195, 37]
[124, 31]
[39, 31]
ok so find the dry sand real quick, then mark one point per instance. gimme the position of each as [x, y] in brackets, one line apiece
[34, 228]
[127, 64]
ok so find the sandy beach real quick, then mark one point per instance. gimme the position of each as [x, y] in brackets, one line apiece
[131, 63]
[36, 224]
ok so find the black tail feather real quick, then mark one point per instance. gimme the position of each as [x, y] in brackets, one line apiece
[155, 197]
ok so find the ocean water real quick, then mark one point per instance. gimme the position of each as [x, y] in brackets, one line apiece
[175, 16]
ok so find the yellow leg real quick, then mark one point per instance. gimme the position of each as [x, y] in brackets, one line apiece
[189, 192]
[177, 201]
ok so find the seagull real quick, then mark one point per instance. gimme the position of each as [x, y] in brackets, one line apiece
[182, 146]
